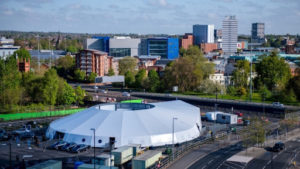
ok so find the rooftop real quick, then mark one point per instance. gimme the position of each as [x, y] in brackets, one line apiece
[148, 154]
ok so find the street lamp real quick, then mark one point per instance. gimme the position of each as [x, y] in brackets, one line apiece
[94, 131]
[174, 118]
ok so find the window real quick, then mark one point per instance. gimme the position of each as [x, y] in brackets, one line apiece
[99, 141]
[120, 52]
[83, 140]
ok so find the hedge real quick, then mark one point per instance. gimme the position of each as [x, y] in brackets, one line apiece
[19, 116]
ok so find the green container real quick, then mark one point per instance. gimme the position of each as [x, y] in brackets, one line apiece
[122, 154]
[146, 160]
[51, 164]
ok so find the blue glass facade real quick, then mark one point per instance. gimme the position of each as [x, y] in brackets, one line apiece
[167, 48]
[104, 42]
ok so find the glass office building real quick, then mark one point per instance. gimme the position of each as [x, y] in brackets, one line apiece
[166, 48]
[120, 52]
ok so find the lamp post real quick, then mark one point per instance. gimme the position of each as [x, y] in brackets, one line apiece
[94, 131]
[173, 126]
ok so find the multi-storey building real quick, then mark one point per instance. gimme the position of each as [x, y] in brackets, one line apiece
[96, 61]
[6, 51]
[124, 46]
[203, 34]
[166, 48]
[258, 33]
[186, 41]
[229, 35]
[208, 47]
[97, 43]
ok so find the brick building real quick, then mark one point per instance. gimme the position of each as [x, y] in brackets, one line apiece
[23, 65]
[208, 47]
[186, 41]
[90, 60]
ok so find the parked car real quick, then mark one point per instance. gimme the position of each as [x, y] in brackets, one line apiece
[58, 144]
[95, 87]
[246, 122]
[126, 94]
[277, 104]
[3, 135]
[278, 147]
[68, 146]
[79, 148]
[103, 91]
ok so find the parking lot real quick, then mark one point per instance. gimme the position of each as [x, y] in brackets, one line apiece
[33, 154]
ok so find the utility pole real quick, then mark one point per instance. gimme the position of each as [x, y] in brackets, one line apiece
[251, 76]
[49, 51]
[94, 132]
[174, 118]
[38, 38]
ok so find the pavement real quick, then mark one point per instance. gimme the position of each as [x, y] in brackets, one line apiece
[36, 154]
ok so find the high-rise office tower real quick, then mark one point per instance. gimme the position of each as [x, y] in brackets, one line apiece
[258, 33]
[203, 34]
[229, 35]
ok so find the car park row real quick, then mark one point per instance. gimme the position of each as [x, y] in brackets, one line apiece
[69, 147]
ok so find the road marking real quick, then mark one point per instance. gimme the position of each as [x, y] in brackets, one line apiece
[203, 167]
[210, 161]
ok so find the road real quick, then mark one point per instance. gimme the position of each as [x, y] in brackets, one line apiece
[280, 160]
[216, 159]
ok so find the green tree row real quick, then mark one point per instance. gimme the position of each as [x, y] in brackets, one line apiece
[19, 88]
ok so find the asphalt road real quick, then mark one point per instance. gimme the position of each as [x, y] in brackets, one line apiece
[216, 159]
[280, 160]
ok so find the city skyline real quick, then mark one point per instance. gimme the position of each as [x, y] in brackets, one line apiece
[147, 16]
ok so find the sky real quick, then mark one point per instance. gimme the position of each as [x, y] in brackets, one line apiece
[146, 16]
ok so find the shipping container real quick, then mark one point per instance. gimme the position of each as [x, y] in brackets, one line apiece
[50, 164]
[105, 159]
[212, 116]
[146, 160]
[122, 154]
[91, 166]
[226, 118]
[136, 148]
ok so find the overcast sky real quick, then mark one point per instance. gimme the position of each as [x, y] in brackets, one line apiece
[146, 16]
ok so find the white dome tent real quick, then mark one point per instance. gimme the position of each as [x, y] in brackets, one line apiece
[130, 123]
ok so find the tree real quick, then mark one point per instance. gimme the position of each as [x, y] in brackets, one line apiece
[273, 72]
[188, 71]
[80, 93]
[240, 75]
[129, 79]
[10, 80]
[79, 75]
[22, 54]
[140, 77]
[65, 94]
[152, 82]
[72, 49]
[92, 77]
[127, 64]
[65, 62]
[294, 85]
[207, 86]
[50, 87]
[111, 72]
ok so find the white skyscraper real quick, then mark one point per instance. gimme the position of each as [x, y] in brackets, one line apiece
[230, 35]
[203, 34]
